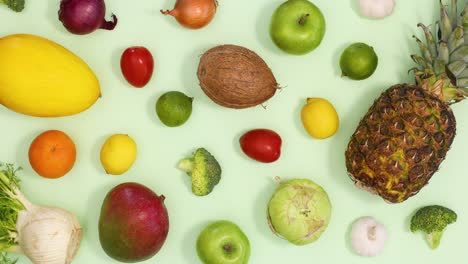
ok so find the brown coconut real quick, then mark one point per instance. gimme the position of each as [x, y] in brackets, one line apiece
[235, 77]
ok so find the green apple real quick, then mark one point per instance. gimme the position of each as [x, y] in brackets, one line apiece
[223, 242]
[297, 27]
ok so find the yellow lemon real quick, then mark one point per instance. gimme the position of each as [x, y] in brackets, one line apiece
[118, 154]
[319, 118]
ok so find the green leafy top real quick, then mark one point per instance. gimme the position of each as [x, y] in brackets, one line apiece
[4, 259]
[8, 177]
[15, 5]
[10, 205]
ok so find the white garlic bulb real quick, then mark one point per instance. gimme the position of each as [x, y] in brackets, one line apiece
[368, 237]
[376, 8]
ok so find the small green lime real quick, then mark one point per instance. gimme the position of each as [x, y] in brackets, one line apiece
[358, 61]
[174, 108]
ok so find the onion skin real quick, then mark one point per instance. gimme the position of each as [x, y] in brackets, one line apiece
[82, 17]
[193, 14]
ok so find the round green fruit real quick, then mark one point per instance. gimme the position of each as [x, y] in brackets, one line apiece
[174, 108]
[358, 61]
[297, 27]
[223, 242]
[299, 211]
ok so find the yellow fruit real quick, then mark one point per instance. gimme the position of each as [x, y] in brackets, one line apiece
[41, 78]
[118, 154]
[319, 118]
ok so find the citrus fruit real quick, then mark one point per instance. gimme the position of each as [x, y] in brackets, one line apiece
[174, 108]
[358, 61]
[52, 154]
[319, 118]
[118, 154]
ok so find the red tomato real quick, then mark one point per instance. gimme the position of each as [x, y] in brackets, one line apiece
[262, 145]
[137, 66]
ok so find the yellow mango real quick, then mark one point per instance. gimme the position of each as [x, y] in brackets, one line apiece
[39, 77]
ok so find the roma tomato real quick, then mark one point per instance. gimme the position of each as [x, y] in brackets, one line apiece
[262, 145]
[137, 66]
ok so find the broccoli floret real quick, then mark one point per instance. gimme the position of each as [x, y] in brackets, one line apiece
[204, 170]
[432, 220]
[15, 5]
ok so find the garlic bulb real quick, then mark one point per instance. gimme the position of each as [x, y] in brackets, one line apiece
[376, 8]
[368, 237]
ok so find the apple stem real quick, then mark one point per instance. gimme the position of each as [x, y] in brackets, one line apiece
[227, 248]
[303, 19]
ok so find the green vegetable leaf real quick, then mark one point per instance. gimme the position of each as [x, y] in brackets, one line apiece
[15, 5]
[9, 205]
[4, 259]
[8, 178]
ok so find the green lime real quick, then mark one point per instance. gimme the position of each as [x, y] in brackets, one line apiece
[174, 108]
[358, 61]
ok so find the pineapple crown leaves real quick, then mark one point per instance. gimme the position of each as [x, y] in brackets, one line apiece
[443, 66]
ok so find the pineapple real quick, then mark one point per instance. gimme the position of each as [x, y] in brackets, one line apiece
[405, 135]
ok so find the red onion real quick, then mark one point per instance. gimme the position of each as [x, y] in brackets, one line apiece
[85, 16]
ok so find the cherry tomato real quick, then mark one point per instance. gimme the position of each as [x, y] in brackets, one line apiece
[137, 65]
[262, 145]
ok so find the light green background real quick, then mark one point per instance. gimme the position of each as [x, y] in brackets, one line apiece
[246, 185]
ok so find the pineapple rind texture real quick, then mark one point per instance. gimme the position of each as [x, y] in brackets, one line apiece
[400, 143]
